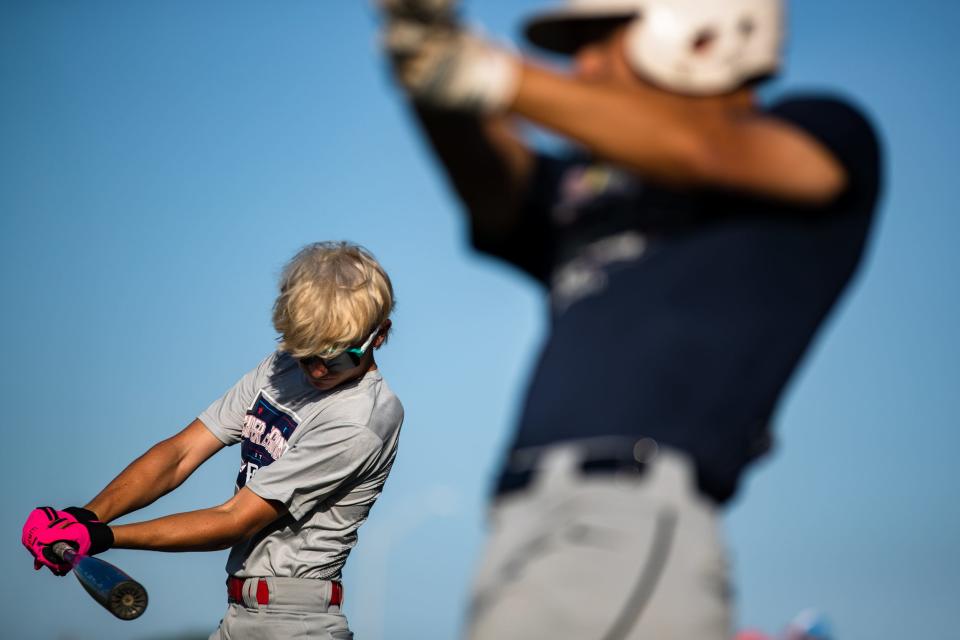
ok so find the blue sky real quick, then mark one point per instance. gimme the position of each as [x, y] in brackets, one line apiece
[159, 163]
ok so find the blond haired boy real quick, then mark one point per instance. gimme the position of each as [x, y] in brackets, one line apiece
[317, 426]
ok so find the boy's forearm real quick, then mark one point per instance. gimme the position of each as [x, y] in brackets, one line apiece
[157, 472]
[210, 529]
[147, 478]
[204, 530]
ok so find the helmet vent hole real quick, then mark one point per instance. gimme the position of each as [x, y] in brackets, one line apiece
[703, 41]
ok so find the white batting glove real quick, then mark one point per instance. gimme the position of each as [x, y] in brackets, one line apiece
[450, 68]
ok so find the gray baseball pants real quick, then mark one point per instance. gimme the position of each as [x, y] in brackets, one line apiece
[297, 610]
[603, 556]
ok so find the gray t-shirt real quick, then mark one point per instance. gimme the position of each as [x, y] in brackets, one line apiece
[323, 454]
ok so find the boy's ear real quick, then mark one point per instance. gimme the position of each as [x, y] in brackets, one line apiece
[384, 332]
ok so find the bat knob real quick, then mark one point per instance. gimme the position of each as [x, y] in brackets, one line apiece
[128, 600]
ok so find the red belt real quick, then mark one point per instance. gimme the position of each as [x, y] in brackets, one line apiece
[235, 591]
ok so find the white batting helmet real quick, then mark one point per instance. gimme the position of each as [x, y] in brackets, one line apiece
[697, 47]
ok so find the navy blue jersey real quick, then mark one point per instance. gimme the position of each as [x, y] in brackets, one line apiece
[680, 315]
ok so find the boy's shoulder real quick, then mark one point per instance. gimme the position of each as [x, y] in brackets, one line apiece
[367, 402]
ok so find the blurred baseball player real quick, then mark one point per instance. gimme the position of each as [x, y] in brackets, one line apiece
[692, 241]
[317, 427]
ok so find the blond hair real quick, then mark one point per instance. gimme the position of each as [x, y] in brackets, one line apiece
[332, 297]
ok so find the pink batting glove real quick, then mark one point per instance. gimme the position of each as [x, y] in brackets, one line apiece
[80, 529]
[39, 522]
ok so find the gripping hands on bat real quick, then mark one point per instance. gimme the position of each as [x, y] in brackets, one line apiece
[442, 64]
[65, 540]
[79, 528]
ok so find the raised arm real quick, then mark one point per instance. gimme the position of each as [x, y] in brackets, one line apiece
[486, 161]
[661, 136]
[157, 472]
[681, 141]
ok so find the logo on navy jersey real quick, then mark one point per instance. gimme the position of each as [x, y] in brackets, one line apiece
[267, 428]
[582, 186]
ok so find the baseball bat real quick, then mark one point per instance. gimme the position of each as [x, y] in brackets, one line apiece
[117, 592]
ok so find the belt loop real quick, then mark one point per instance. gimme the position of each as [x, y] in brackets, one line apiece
[557, 465]
[256, 592]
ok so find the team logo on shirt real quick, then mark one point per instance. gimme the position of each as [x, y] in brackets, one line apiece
[583, 185]
[267, 428]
